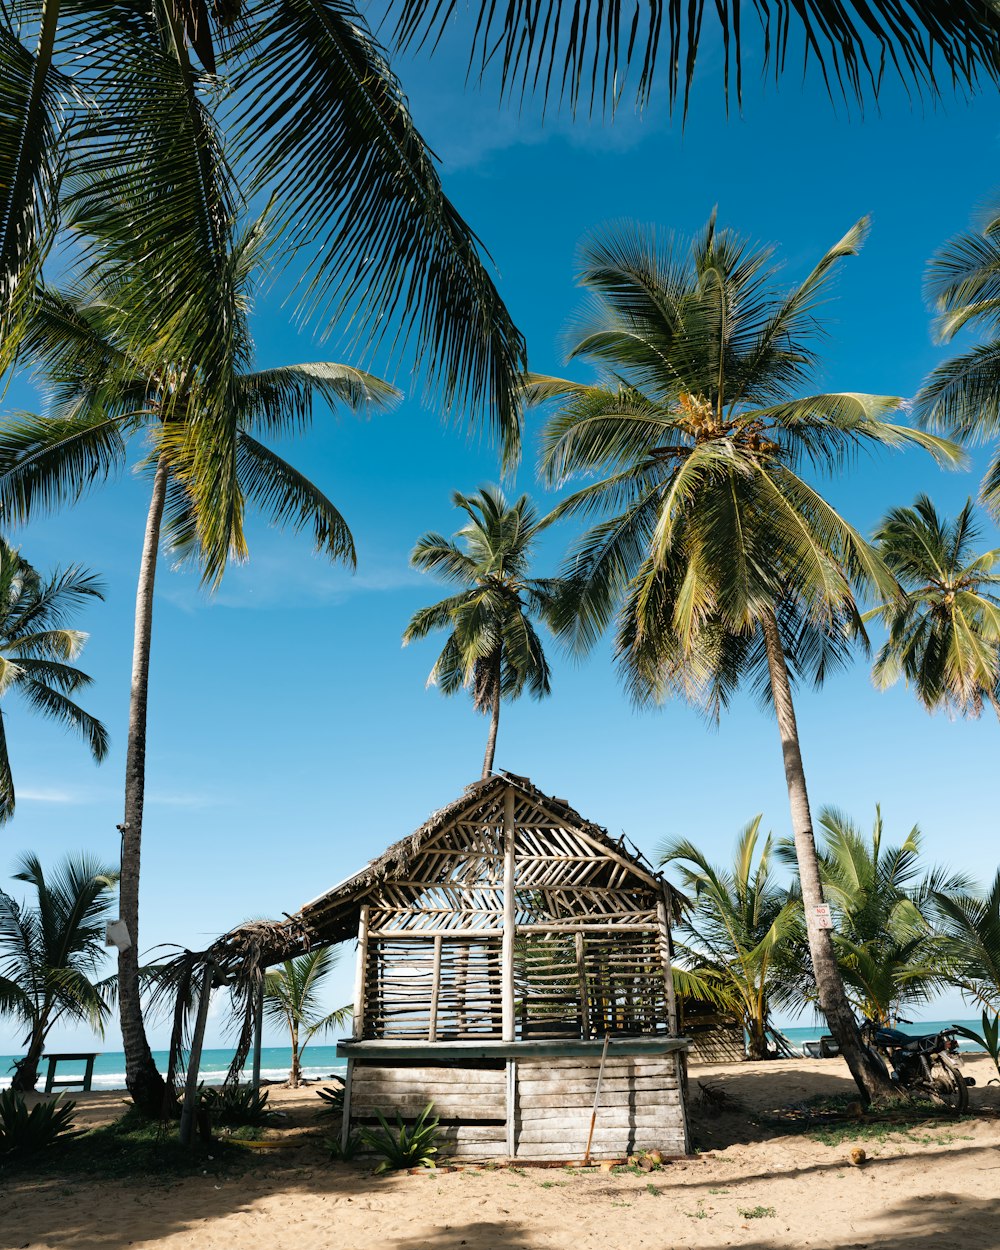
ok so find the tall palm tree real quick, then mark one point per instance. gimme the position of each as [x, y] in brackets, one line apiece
[291, 998]
[722, 565]
[37, 650]
[962, 395]
[734, 934]
[889, 952]
[108, 394]
[50, 952]
[188, 109]
[584, 58]
[944, 633]
[492, 647]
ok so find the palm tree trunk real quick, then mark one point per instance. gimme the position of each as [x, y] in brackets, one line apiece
[294, 1071]
[148, 1089]
[491, 741]
[871, 1079]
[25, 1077]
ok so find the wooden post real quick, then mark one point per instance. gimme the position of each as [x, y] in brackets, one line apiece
[258, 1033]
[194, 1058]
[511, 1101]
[345, 1127]
[360, 975]
[435, 990]
[581, 978]
[507, 949]
[668, 975]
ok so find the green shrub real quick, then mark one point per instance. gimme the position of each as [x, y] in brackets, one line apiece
[340, 1153]
[333, 1100]
[24, 1132]
[989, 1039]
[403, 1146]
[236, 1105]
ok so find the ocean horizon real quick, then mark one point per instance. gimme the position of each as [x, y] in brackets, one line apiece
[321, 1062]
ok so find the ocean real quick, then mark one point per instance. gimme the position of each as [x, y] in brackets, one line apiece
[109, 1068]
[321, 1061]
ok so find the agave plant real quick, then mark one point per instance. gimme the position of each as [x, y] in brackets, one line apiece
[405, 1146]
[24, 1132]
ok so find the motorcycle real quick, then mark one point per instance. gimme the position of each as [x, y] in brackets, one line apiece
[920, 1064]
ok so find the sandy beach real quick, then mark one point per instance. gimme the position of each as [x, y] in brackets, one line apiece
[754, 1186]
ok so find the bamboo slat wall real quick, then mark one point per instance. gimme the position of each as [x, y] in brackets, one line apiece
[508, 923]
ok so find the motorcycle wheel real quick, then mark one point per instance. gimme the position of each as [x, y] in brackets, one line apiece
[949, 1087]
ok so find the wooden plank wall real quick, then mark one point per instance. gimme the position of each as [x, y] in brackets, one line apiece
[640, 1107]
[470, 1102]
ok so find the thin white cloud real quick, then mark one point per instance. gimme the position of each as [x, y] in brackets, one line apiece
[43, 795]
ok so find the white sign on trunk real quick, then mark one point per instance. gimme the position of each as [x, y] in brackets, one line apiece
[821, 914]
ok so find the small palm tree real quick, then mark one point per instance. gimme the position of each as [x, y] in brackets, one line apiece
[291, 998]
[735, 935]
[50, 952]
[889, 953]
[970, 922]
[944, 633]
[721, 564]
[37, 651]
[492, 646]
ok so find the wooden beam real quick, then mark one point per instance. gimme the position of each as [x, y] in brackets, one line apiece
[511, 1075]
[345, 1127]
[435, 991]
[581, 978]
[507, 950]
[194, 1059]
[360, 975]
[668, 974]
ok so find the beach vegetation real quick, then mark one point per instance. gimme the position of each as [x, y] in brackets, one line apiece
[332, 1098]
[758, 1213]
[944, 631]
[93, 348]
[51, 952]
[235, 1105]
[38, 650]
[970, 925]
[882, 896]
[292, 998]
[988, 1037]
[719, 564]
[403, 1145]
[736, 933]
[25, 1131]
[586, 65]
[492, 648]
[341, 1151]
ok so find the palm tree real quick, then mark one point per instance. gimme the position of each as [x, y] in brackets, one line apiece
[889, 953]
[586, 61]
[962, 396]
[734, 935]
[189, 111]
[37, 651]
[723, 566]
[107, 394]
[944, 633]
[970, 922]
[291, 998]
[492, 646]
[50, 953]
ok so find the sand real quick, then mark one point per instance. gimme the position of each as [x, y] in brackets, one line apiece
[936, 1187]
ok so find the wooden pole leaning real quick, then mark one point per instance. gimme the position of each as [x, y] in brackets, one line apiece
[597, 1098]
[190, 1107]
[507, 946]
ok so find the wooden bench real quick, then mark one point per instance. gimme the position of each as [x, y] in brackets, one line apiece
[54, 1060]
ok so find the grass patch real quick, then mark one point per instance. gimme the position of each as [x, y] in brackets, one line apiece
[652, 1189]
[758, 1213]
[132, 1146]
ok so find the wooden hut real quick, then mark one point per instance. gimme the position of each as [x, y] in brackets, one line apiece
[509, 951]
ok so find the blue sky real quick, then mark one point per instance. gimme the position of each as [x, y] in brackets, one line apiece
[292, 737]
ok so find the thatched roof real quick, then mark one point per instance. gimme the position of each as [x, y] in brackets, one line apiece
[334, 915]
